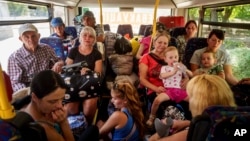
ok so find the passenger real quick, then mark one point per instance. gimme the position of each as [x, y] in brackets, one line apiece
[31, 58]
[145, 42]
[59, 29]
[46, 108]
[215, 40]
[88, 19]
[85, 52]
[203, 91]
[208, 60]
[171, 75]
[127, 122]
[190, 32]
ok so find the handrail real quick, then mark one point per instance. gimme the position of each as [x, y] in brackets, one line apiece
[154, 23]
[101, 18]
[6, 110]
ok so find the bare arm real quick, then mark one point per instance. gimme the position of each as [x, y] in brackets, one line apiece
[193, 67]
[143, 70]
[166, 75]
[229, 75]
[245, 81]
[117, 120]
[139, 52]
[60, 117]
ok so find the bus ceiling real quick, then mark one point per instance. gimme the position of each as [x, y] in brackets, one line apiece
[135, 3]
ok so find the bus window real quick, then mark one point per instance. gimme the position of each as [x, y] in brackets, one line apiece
[12, 15]
[234, 20]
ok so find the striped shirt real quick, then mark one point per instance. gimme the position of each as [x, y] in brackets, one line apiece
[22, 64]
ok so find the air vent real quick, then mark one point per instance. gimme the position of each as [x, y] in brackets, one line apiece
[126, 9]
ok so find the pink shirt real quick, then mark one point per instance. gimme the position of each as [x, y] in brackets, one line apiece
[146, 43]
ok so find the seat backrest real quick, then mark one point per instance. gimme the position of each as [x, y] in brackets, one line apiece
[56, 44]
[142, 29]
[125, 29]
[220, 123]
[71, 30]
[175, 32]
[192, 45]
[106, 27]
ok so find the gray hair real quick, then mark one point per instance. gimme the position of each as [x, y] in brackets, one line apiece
[88, 30]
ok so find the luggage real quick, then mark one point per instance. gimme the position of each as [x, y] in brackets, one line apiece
[172, 21]
[221, 123]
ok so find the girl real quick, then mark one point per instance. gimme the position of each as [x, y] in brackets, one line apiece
[127, 122]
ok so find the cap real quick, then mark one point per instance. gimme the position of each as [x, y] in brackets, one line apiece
[26, 27]
[88, 14]
[57, 21]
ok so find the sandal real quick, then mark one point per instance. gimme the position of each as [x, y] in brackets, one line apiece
[150, 121]
[161, 128]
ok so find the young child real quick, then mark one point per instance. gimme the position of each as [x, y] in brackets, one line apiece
[208, 60]
[171, 75]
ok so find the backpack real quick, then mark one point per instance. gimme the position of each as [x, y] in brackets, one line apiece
[21, 128]
[220, 123]
[122, 46]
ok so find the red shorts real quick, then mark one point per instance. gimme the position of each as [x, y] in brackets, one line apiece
[176, 94]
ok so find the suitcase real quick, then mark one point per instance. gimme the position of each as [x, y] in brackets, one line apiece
[172, 21]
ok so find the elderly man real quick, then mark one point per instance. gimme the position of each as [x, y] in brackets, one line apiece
[31, 58]
[88, 19]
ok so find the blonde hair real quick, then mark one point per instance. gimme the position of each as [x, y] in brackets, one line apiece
[159, 34]
[170, 48]
[208, 90]
[126, 90]
[88, 30]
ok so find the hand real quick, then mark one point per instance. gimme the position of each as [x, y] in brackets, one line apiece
[59, 115]
[57, 67]
[84, 70]
[160, 89]
[245, 81]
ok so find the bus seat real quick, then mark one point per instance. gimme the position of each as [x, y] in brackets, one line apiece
[192, 45]
[175, 32]
[106, 27]
[124, 29]
[56, 44]
[143, 28]
[71, 30]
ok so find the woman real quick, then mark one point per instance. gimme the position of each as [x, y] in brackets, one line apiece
[145, 42]
[46, 108]
[149, 69]
[203, 91]
[127, 122]
[46, 105]
[191, 30]
[214, 41]
[85, 52]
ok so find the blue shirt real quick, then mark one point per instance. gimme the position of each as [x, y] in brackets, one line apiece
[122, 133]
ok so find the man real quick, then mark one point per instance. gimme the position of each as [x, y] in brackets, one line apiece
[31, 58]
[59, 29]
[88, 19]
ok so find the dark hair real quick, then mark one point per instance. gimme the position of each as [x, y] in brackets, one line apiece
[160, 27]
[189, 22]
[148, 31]
[218, 33]
[46, 82]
